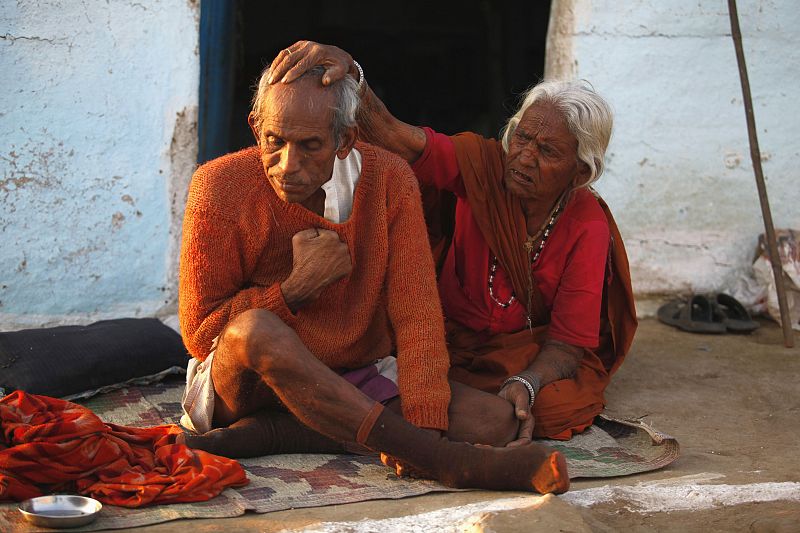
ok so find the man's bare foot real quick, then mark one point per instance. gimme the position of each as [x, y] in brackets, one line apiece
[266, 433]
[531, 467]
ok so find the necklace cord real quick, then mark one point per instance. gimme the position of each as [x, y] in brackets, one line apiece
[533, 256]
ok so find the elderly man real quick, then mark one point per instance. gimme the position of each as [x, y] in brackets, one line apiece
[535, 287]
[304, 268]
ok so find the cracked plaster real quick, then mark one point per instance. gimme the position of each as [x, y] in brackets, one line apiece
[94, 94]
[93, 175]
[679, 176]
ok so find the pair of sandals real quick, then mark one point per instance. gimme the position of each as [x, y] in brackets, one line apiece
[713, 313]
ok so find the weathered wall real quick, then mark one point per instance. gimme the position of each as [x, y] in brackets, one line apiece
[679, 177]
[97, 143]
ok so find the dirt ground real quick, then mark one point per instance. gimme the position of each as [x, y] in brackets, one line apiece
[733, 403]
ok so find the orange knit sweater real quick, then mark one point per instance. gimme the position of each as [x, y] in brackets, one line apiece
[237, 250]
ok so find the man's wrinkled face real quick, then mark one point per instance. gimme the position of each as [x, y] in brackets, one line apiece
[542, 159]
[296, 141]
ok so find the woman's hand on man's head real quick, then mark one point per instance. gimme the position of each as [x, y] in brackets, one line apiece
[302, 56]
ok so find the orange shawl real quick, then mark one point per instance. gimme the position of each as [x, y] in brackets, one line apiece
[47, 444]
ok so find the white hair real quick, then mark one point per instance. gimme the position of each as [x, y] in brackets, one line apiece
[588, 116]
[345, 101]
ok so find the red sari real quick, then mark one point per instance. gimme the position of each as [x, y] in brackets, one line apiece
[582, 293]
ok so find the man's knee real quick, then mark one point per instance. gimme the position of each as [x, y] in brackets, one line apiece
[480, 417]
[254, 337]
[505, 424]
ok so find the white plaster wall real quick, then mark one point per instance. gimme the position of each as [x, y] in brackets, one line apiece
[679, 178]
[97, 143]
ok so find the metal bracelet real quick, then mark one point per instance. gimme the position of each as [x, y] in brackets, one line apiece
[533, 379]
[360, 77]
[531, 391]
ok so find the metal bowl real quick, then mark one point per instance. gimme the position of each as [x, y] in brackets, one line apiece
[60, 510]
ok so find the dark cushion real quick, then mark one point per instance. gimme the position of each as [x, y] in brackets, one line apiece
[75, 361]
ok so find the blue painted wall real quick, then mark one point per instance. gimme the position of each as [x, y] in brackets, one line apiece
[679, 175]
[98, 101]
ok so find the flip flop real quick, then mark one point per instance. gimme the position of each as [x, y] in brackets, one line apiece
[696, 316]
[736, 318]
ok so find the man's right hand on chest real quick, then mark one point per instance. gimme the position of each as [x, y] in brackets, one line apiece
[319, 258]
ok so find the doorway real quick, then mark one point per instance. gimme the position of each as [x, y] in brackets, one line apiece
[451, 65]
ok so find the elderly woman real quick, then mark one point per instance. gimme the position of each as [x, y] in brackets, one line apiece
[535, 283]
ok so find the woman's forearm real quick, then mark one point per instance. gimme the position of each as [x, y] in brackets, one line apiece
[376, 125]
[556, 360]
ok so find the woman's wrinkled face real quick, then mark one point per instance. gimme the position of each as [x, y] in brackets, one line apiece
[542, 159]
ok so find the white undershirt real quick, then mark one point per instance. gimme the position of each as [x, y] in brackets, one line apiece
[340, 188]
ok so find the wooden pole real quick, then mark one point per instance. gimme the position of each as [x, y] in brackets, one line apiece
[755, 156]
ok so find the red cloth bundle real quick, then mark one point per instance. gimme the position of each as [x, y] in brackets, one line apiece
[50, 445]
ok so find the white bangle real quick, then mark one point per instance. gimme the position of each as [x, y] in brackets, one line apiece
[531, 391]
[360, 77]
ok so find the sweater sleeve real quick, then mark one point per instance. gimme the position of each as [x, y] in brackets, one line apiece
[212, 287]
[414, 309]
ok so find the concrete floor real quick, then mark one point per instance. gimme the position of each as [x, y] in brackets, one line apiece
[733, 403]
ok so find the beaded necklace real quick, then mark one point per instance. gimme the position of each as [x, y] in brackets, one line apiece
[492, 270]
[543, 234]
[544, 231]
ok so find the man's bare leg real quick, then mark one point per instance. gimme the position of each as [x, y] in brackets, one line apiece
[258, 343]
[476, 417]
[258, 340]
[249, 419]
[266, 432]
[479, 417]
